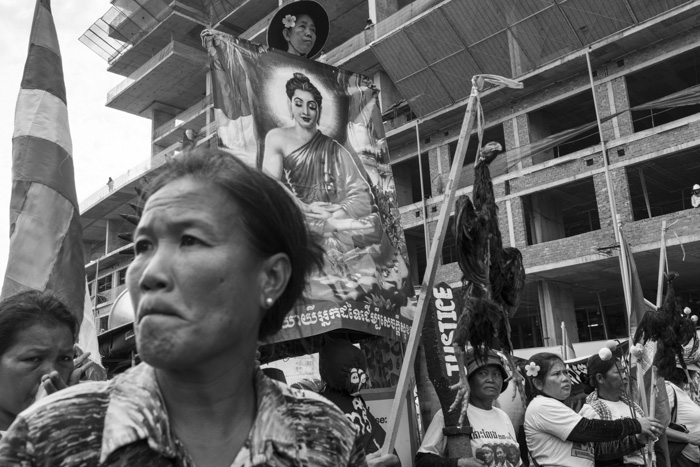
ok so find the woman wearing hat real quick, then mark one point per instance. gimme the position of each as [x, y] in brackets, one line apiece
[299, 28]
[608, 401]
[488, 378]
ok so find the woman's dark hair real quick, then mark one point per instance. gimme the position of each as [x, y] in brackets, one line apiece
[272, 221]
[302, 83]
[677, 376]
[597, 366]
[31, 307]
[545, 361]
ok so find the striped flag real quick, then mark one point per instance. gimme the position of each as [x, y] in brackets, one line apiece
[46, 247]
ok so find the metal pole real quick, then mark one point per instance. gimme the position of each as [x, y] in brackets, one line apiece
[426, 230]
[602, 314]
[608, 182]
[662, 264]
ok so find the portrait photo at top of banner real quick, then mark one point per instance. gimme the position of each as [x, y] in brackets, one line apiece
[318, 130]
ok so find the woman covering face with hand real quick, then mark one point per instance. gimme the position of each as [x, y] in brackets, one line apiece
[37, 333]
[222, 254]
[555, 434]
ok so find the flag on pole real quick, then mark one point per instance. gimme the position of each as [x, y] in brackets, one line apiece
[46, 247]
[567, 348]
[636, 306]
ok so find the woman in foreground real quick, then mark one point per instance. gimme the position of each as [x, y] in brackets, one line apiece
[222, 254]
[558, 436]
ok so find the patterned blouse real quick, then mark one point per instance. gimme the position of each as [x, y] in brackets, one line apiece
[123, 422]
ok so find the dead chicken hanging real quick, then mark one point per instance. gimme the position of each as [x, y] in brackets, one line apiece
[493, 277]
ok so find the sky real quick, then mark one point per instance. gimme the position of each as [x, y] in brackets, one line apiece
[106, 142]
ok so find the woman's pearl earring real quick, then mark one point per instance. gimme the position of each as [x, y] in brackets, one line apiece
[269, 301]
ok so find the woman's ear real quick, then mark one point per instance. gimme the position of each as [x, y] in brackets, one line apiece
[286, 33]
[538, 384]
[276, 271]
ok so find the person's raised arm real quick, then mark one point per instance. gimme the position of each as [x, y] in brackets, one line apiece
[594, 431]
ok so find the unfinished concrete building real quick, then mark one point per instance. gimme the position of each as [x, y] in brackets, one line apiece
[560, 188]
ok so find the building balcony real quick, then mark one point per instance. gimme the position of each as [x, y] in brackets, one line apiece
[174, 77]
[128, 35]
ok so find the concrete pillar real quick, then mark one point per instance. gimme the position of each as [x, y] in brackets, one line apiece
[158, 118]
[621, 194]
[439, 162]
[620, 101]
[516, 134]
[622, 200]
[556, 305]
[388, 92]
[379, 10]
[612, 98]
[517, 212]
[538, 128]
[112, 242]
[517, 58]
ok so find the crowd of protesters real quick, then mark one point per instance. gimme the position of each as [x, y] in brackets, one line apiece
[222, 253]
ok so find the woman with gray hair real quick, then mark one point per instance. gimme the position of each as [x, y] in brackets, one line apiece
[222, 254]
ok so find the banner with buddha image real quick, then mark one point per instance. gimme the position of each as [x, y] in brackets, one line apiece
[318, 130]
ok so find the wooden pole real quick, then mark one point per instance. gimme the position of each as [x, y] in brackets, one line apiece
[604, 151]
[426, 231]
[431, 270]
[651, 458]
[662, 266]
[626, 285]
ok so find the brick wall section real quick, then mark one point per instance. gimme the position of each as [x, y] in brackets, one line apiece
[622, 102]
[439, 161]
[639, 233]
[621, 188]
[579, 82]
[603, 100]
[646, 233]
[643, 234]
[519, 221]
[665, 140]
[565, 248]
[603, 201]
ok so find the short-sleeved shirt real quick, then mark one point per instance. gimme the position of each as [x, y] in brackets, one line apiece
[548, 422]
[123, 422]
[492, 427]
[688, 414]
